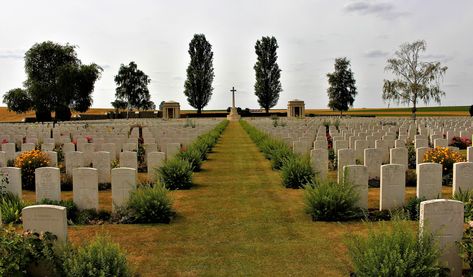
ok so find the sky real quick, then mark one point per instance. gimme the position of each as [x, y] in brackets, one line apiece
[310, 33]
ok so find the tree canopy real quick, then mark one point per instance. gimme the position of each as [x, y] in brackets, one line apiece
[56, 81]
[132, 88]
[414, 80]
[268, 85]
[200, 73]
[342, 86]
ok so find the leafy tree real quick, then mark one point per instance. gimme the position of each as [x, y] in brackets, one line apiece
[200, 73]
[18, 100]
[415, 80]
[57, 81]
[267, 86]
[471, 110]
[342, 89]
[119, 104]
[132, 88]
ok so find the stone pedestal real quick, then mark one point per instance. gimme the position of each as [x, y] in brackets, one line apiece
[233, 116]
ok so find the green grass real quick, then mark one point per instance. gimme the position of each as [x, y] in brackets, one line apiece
[236, 220]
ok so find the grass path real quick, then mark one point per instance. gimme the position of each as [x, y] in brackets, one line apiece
[237, 221]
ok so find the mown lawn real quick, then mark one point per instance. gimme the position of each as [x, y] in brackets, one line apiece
[237, 220]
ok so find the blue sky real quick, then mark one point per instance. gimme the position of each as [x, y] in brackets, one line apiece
[311, 34]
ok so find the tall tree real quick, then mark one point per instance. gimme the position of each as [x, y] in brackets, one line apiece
[415, 80]
[132, 88]
[56, 81]
[267, 86]
[342, 89]
[200, 73]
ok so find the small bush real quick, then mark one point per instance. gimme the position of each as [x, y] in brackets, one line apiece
[149, 204]
[466, 247]
[412, 208]
[18, 251]
[193, 156]
[396, 251]
[10, 208]
[28, 162]
[330, 201]
[460, 142]
[175, 174]
[445, 157]
[411, 156]
[297, 172]
[99, 258]
[467, 198]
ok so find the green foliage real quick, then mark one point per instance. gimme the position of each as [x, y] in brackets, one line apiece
[132, 88]
[28, 162]
[466, 247]
[467, 198]
[18, 251]
[200, 73]
[411, 156]
[175, 174]
[56, 81]
[101, 257]
[119, 104]
[415, 80]
[296, 172]
[149, 204]
[17, 100]
[395, 252]
[275, 150]
[330, 201]
[412, 208]
[342, 89]
[267, 85]
[10, 207]
[193, 156]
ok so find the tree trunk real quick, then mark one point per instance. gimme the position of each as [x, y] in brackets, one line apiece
[414, 109]
[43, 115]
[63, 113]
[266, 110]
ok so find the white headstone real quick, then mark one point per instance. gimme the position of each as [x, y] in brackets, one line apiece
[12, 180]
[129, 159]
[444, 220]
[429, 181]
[319, 162]
[85, 187]
[357, 175]
[46, 218]
[393, 185]
[123, 182]
[462, 177]
[102, 162]
[48, 183]
[344, 157]
[155, 161]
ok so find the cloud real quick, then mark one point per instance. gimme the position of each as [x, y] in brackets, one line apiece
[376, 54]
[105, 66]
[437, 57]
[12, 54]
[381, 9]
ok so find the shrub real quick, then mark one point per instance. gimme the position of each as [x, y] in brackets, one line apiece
[280, 156]
[412, 208]
[330, 201]
[460, 142]
[99, 258]
[193, 156]
[467, 198]
[297, 172]
[28, 162]
[149, 204]
[18, 251]
[446, 157]
[396, 251]
[10, 208]
[175, 174]
[466, 247]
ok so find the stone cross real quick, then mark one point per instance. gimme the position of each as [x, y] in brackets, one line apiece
[233, 90]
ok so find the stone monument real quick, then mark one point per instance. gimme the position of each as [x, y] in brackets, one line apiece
[233, 116]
